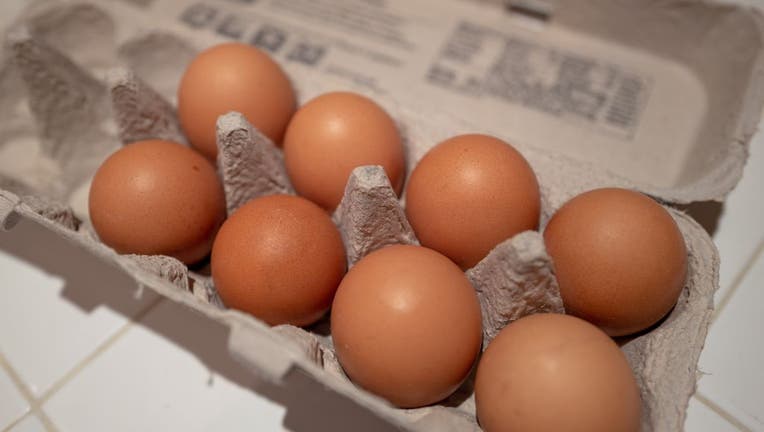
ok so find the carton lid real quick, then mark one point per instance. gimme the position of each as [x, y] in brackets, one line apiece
[715, 53]
[662, 96]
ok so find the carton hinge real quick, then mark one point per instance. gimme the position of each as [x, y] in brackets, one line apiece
[9, 217]
[538, 10]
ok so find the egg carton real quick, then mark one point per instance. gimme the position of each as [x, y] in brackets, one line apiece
[70, 103]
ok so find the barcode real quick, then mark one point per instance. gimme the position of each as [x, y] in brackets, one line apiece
[624, 109]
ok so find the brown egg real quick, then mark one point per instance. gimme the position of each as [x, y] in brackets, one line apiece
[470, 193]
[619, 258]
[157, 197]
[331, 135]
[406, 325]
[280, 258]
[233, 77]
[551, 373]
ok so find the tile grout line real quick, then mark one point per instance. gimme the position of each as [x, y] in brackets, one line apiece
[96, 352]
[741, 274]
[35, 404]
[13, 424]
[736, 282]
[721, 412]
[28, 395]
[17, 381]
[45, 420]
[21, 387]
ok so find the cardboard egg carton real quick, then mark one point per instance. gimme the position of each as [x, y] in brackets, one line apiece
[659, 97]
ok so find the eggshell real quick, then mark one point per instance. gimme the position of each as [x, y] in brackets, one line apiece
[470, 193]
[333, 134]
[406, 325]
[280, 258]
[551, 373]
[233, 77]
[157, 197]
[619, 258]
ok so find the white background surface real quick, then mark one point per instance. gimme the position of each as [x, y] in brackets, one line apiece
[77, 354]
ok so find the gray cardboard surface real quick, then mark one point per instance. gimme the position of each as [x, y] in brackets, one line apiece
[249, 164]
[637, 109]
[515, 280]
[370, 216]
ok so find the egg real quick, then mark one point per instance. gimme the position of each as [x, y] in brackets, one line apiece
[233, 77]
[619, 258]
[406, 325]
[333, 134]
[279, 258]
[157, 197]
[470, 193]
[551, 373]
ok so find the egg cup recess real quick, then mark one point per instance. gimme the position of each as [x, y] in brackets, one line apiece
[512, 281]
[525, 250]
[369, 216]
[515, 279]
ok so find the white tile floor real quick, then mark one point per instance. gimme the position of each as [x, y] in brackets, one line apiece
[183, 392]
[76, 355]
[30, 423]
[89, 357]
[66, 332]
[13, 405]
[733, 359]
[701, 418]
